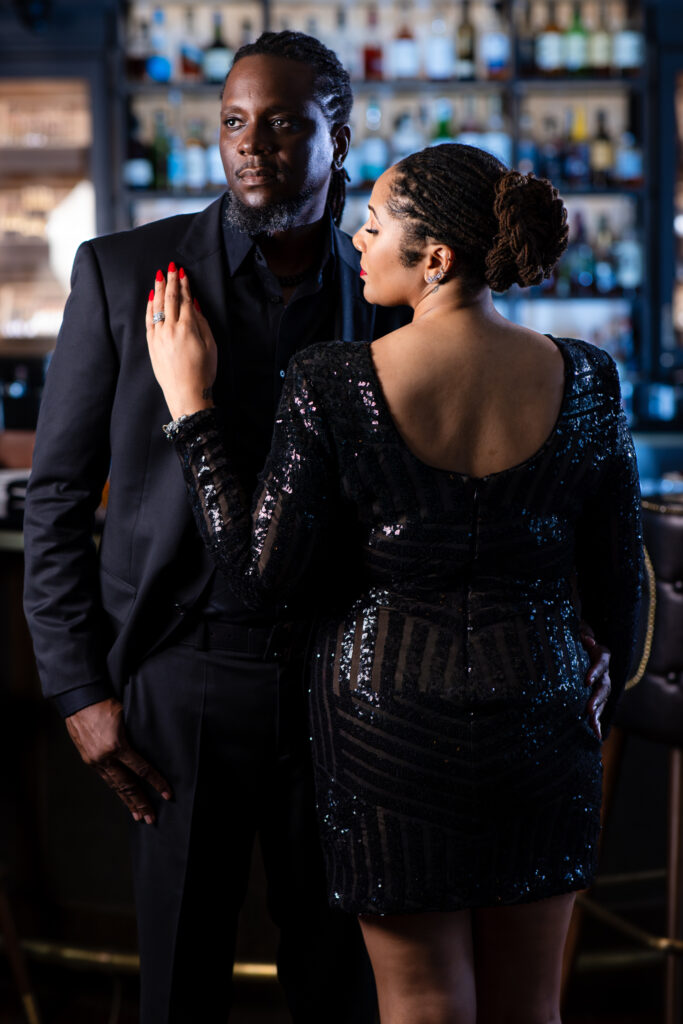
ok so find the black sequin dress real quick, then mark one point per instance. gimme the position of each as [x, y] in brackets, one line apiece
[454, 765]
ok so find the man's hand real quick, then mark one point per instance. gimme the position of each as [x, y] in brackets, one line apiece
[100, 738]
[597, 678]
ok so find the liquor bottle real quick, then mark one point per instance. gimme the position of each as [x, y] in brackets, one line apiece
[217, 55]
[374, 148]
[247, 32]
[628, 50]
[628, 162]
[138, 170]
[580, 258]
[138, 49]
[161, 145]
[601, 153]
[575, 44]
[527, 161]
[550, 155]
[175, 168]
[191, 55]
[404, 58]
[465, 46]
[599, 53]
[159, 65]
[373, 57]
[345, 46]
[603, 248]
[577, 155]
[408, 136]
[494, 45]
[439, 55]
[471, 130]
[548, 49]
[629, 260]
[495, 138]
[526, 62]
[195, 157]
[443, 122]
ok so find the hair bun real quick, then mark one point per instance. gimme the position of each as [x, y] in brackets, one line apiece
[532, 231]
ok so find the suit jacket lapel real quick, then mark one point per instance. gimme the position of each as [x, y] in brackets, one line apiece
[203, 253]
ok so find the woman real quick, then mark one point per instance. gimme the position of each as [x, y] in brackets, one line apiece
[485, 481]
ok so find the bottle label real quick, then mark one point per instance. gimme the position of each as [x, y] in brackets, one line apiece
[403, 58]
[495, 52]
[599, 50]
[575, 51]
[549, 51]
[439, 58]
[628, 49]
[602, 155]
[217, 64]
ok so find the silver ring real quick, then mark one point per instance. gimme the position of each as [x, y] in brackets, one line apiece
[158, 318]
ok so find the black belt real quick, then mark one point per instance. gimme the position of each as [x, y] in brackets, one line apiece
[270, 643]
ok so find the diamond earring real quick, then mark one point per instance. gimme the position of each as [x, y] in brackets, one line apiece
[435, 277]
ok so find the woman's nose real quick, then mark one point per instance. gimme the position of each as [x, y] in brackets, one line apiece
[357, 240]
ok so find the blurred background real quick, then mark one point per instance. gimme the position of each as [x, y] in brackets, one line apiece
[109, 119]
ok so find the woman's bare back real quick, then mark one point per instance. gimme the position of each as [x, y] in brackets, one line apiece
[469, 396]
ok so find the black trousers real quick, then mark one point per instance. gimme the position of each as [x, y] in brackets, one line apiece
[229, 733]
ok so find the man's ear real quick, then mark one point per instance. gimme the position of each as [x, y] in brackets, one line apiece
[341, 140]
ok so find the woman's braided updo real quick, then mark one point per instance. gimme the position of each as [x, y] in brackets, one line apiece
[504, 227]
[331, 89]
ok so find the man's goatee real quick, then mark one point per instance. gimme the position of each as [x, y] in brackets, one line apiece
[265, 220]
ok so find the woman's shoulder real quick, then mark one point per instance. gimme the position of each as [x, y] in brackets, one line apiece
[588, 358]
[594, 372]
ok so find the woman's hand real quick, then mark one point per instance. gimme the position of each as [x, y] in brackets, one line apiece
[598, 679]
[181, 345]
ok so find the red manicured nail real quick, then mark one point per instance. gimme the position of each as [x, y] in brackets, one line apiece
[171, 267]
[181, 273]
[151, 295]
[196, 305]
[159, 276]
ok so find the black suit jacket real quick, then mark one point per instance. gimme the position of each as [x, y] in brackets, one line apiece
[95, 615]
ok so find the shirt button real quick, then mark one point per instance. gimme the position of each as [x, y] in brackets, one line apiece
[282, 373]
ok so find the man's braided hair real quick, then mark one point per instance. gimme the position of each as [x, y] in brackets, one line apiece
[331, 85]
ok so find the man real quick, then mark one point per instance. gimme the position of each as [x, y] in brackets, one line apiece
[167, 684]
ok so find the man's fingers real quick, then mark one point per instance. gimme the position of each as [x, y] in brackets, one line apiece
[126, 787]
[598, 670]
[143, 769]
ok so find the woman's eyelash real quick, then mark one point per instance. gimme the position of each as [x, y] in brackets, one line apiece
[371, 231]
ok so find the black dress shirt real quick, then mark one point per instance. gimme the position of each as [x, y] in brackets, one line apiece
[264, 335]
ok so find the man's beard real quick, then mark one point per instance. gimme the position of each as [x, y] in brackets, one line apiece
[265, 220]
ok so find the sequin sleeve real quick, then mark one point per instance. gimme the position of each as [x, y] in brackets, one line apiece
[264, 546]
[609, 552]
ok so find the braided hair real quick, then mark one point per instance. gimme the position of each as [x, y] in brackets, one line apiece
[504, 227]
[331, 85]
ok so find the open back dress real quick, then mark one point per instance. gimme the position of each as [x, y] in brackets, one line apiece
[454, 763]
